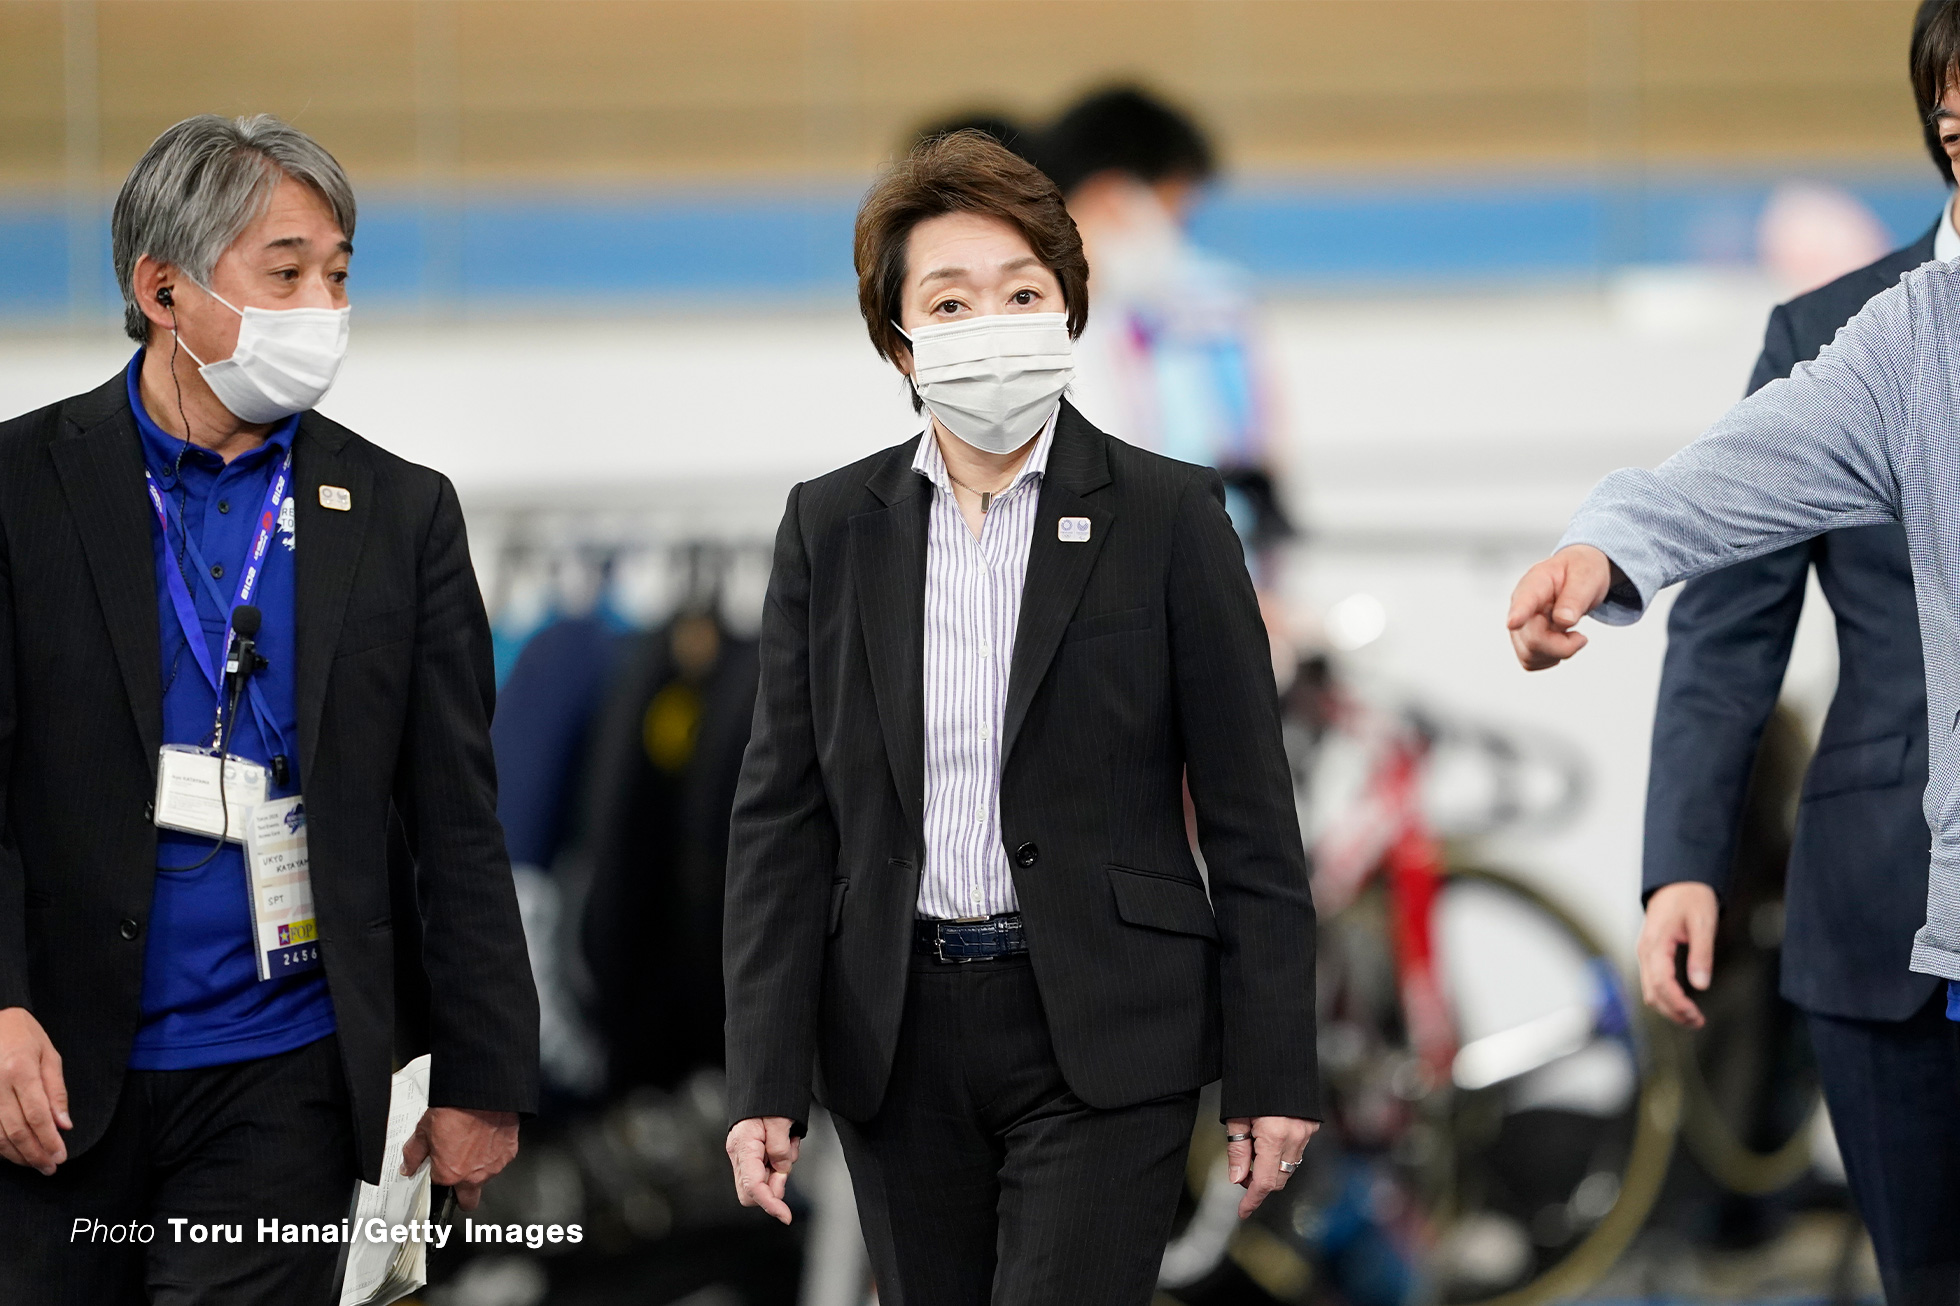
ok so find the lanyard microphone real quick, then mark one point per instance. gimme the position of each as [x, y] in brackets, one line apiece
[241, 660]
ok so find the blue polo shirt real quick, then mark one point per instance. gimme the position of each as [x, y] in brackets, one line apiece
[203, 1003]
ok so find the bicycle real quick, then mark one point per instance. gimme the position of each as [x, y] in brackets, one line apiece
[1499, 1118]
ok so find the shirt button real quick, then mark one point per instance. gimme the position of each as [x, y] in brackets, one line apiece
[128, 929]
[985, 652]
[224, 505]
[218, 570]
[986, 733]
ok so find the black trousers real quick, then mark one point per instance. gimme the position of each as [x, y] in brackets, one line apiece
[1893, 1088]
[226, 1146]
[984, 1179]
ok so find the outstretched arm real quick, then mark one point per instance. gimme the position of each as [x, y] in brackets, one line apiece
[1810, 453]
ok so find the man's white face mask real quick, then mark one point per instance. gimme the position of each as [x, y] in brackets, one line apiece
[284, 363]
[993, 381]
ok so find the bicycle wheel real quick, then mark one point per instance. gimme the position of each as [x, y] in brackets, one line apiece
[1565, 1102]
[1519, 1179]
[1751, 1094]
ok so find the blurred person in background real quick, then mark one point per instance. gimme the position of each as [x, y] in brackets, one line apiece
[1853, 442]
[961, 904]
[1174, 358]
[150, 1066]
[1856, 893]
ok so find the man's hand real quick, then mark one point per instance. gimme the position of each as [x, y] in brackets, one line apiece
[468, 1148]
[761, 1151]
[1255, 1162]
[1681, 913]
[1549, 601]
[33, 1096]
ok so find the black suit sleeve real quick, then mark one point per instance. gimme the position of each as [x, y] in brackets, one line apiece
[1248, 828]
[1728, 645]
[782, 853]
[13, 880]
[483, 1037]
[1779, 354]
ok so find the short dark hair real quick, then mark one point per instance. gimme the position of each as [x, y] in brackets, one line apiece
[1124, 129]
[1935, 59]
[962, 172]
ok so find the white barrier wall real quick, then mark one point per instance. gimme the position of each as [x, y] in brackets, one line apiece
[1437, 446]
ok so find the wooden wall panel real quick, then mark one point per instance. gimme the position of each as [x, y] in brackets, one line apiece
[33, 144]
[656, 90]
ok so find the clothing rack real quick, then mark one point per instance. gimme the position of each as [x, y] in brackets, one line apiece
[531, 576]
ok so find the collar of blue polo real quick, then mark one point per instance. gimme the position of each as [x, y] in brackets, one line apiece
[160, 448]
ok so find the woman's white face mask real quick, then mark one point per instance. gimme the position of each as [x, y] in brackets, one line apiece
[285, 361]
[993, 381]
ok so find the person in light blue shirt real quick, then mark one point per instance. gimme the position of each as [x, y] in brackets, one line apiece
[1867, 433]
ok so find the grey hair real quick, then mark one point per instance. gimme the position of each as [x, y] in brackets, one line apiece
[198, 187]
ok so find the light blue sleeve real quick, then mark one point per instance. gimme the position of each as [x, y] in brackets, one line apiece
[1813, 452]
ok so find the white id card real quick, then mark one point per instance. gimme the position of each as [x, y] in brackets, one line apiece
[287, 934]
[188, 799]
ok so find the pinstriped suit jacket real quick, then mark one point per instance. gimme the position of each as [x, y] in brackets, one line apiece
[394, 696]
[1139, 658]
[1867, 433]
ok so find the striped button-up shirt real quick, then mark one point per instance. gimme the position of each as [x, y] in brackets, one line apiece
[1868, 433]
[973, 607]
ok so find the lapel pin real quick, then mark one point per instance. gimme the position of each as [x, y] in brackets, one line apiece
[332, 496]
[1072, 530]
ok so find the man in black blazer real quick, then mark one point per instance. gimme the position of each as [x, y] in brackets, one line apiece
[1887, 1055]
[962, 904]
[160, 1099]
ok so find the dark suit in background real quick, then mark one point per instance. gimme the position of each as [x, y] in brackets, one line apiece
[394, 690]
[1139, 654]
[1856, 892]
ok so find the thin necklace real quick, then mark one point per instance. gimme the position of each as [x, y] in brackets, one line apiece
[987, 497]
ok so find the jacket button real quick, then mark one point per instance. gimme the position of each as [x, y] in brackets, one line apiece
[1026, 855]
[128, 929]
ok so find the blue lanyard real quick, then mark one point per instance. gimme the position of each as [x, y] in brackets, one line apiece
[248, 584]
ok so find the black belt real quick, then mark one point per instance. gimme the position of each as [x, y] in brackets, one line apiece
[978, 940]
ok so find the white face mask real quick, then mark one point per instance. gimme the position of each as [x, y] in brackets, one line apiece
[284, 363]
[994, 380]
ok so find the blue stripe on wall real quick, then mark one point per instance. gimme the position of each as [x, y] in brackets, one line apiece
[33, 263]
[626, 248]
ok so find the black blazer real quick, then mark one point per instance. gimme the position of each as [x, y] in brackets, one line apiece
[1140, 660]
[394, 695]
[1856, 892]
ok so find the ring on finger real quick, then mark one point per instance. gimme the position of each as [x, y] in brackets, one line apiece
[1238, 1138]
[1288, 1167]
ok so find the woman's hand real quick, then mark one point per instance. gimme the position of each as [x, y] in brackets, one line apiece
[1255, 1162]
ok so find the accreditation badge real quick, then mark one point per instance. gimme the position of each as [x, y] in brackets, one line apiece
[285, 931]
[199, 792]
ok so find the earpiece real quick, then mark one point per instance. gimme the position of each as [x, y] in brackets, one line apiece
[164, 298]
